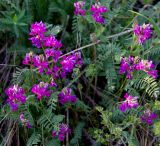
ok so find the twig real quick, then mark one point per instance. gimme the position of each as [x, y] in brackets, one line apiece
[4, 117]
[3, 48]
[90, 100]
[99, 41]
[119, 34]
[8, 65]
[76, 78]
[81, 48]
[93, 142]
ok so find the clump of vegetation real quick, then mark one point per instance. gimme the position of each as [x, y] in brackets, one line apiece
[78, 73]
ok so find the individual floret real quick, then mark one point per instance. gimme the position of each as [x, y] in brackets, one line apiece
[24, 121]
[16, 96]
[62, 132]
[130, 102]
[143, 32]
[78, 8]
[66, 96]
[148, 117]
[41, 90]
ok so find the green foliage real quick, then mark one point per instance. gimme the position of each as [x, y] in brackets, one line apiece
[53, 142]
[50, 121]
[99, 87]
[20, 74]
[148, 84]
[78, 133]
[156, 128]
[156, 105]
[35, 139]
[52, 101]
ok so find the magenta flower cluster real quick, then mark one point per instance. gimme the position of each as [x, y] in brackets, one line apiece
[41, 90]
[16, 96]
[143, 32]
[130, 64]
[62, 65]
[62, 132]
[97, 11]
[37, 34]
[66, 96]
[79, 8]
[130, 102]
[50, 46]
[39, 39]
[24, 121]
[148, 117]
[68, 63]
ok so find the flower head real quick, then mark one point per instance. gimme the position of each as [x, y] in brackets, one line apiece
[37, 28]
[24, 121]
[148, 117]
[69, 62]
[130, 64]
[37, 31]
[66, 96]
[98, 18]
[37, 40]
[40, 62]
[54, 54]
[127, 66]
[41, 90]
[62, 132]
[28, 58]
[52, 42]
[16, 96]
[148, 67]
[78, 8]
[143, 32]
[130, 102]
[98, 8]
[97, 11]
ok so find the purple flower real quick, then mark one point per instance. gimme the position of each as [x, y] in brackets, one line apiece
[66, 96]
[52, 42]
[40, 62]
[69, 62]
[97, 11]
[98, 18]
[131, 64]
[28, 58]
[37, 31]
[41, 90]
[148, 67]
[37, 40]
[62, 132]
[143, 32]
[56, 70]
[52, 83]
[153, 73]
[78, 8]
[37, 28]
[127, 66]
[130, 102]
[16, 96]
[24, 121]
[55, 54]
[148, 117]
[54, 133]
